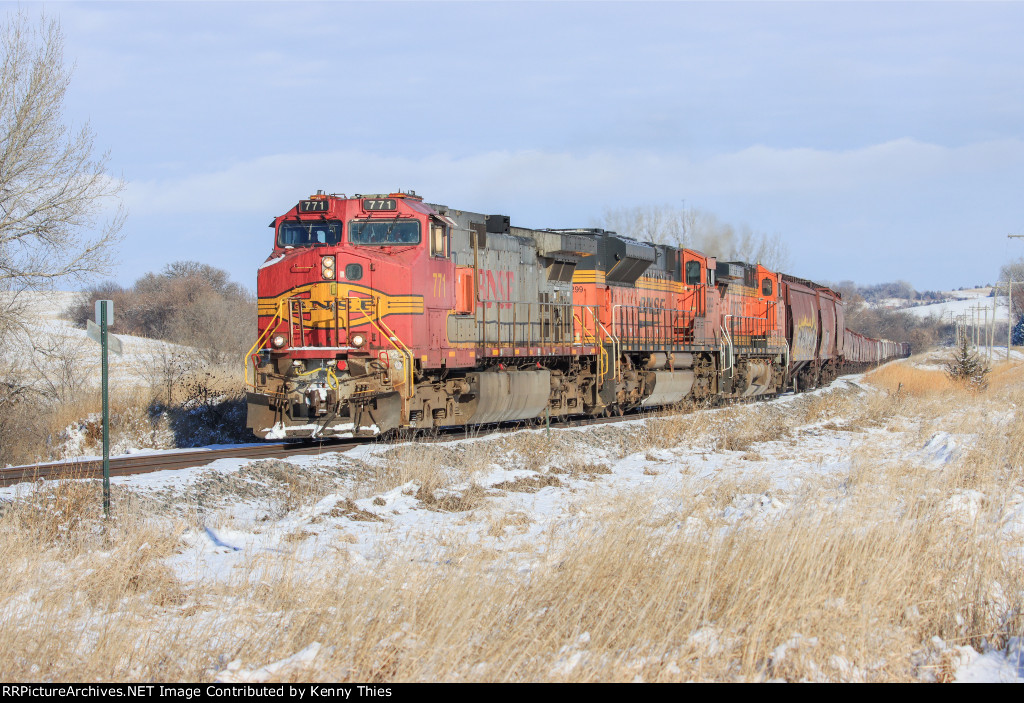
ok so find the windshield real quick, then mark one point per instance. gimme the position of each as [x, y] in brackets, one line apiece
[384, 232]
[309, 233]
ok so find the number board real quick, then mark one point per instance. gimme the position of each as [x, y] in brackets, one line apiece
[380, 204]
[314, 205]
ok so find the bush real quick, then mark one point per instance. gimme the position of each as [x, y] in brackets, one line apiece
[188, 303]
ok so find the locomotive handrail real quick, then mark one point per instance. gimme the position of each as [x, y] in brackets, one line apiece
[729, 346]
[602, 357]
[615, 342]
[697, 297]
[528, 329]
[743, 330]
[267, 331]
[666, 323]
[397, 343]
[342, 320]
[584, 334]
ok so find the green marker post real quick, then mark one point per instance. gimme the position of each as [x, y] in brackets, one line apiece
[98, 332]
[102, 305]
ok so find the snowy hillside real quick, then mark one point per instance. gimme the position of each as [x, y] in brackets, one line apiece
[59, 343]
[966, 302]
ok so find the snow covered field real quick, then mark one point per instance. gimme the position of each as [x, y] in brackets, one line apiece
[964, 303]
[852, 534]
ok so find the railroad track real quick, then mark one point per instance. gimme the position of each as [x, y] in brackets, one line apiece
[168, 461]
[164, 461]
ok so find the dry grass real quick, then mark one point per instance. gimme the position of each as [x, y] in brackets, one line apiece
[910, 380]
[848, 580]
[38, 430]
[528, 484]
[617, 603]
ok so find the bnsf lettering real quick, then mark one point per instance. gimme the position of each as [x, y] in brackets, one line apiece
[496, 286]
[651, 303]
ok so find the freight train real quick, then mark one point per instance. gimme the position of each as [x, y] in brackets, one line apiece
[383, 312]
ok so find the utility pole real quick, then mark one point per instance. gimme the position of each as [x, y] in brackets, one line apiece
[1009, 301]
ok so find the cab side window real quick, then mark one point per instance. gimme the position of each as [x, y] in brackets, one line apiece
[438, 239]
[693, 273]
[766, 286]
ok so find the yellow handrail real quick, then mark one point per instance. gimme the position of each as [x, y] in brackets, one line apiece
[268, 330]
[399, 345]
[615, 343]
[602, 360]
[586, 337]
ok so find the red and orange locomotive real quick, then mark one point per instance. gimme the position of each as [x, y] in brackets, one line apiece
[382, 312]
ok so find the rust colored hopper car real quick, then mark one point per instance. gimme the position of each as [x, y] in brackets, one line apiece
[383, 312]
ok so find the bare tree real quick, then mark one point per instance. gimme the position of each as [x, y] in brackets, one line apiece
[166, 366]
[57, 220]
[188, 303]
[54, 191]
[59, 366]
[660, 224]
[695, 229]
[1013, 272]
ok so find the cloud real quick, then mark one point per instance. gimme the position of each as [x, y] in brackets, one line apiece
[895, 210]
[269, 184]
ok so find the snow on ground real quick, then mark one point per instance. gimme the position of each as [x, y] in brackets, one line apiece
[62, 344]
[937, 358]
[963, 303]
[523, 502]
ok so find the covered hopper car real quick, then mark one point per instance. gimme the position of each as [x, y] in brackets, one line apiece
[383, 312]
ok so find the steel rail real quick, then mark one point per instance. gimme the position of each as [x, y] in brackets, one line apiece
[163, 461]
[169, 461]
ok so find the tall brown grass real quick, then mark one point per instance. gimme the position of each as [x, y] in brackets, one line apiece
[910, 380]
[36, 431]
[849, 580]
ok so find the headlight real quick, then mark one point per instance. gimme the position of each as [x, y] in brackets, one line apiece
[278, 340]
[328, 262]
[327, 267]
[358, 340]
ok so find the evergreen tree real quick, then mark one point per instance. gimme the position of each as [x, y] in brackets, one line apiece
[966, 366]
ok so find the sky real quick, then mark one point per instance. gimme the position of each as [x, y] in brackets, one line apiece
[881, 141]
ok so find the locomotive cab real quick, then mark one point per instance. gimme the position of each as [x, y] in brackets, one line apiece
[337, 297]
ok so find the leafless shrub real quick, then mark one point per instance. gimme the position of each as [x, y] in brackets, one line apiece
[188, 303]
[58, 364]
[167, 367]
